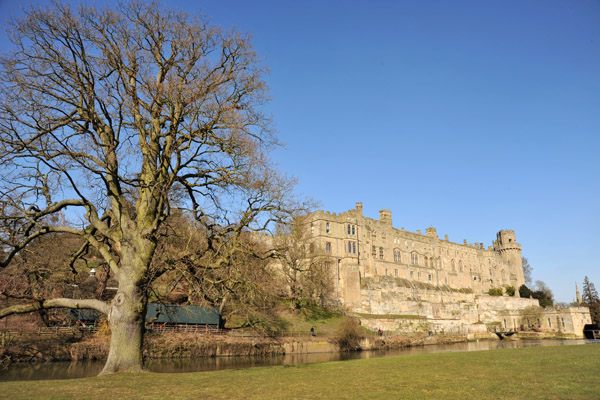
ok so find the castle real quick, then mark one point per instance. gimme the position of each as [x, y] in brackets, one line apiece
[400, 280]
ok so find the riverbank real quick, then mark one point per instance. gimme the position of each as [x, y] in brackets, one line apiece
[563, 372]
[177, 345]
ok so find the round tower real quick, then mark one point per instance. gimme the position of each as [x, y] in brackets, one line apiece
[510, 252]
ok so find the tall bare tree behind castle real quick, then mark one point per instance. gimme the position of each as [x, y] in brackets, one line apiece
[111, 118]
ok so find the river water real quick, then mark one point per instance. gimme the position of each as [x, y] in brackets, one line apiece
[82, 369]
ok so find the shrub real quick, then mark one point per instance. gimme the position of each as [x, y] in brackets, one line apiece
[510, 290]
[495, 291]
[348, 335]
[103, 327]
[524, 291]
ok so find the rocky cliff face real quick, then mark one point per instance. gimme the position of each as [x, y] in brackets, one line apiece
[398, 304]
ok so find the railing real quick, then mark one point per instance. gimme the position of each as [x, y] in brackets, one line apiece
[49, 331]
[186, 329]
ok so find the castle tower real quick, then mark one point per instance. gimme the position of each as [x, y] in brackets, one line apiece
[385, 216]
[510, 252]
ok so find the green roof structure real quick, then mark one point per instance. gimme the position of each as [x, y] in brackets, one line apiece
[162, 314]
[172, 314]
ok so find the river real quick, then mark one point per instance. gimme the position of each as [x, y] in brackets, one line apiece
[82, 369]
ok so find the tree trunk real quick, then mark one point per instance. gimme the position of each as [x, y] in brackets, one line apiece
[126, 320]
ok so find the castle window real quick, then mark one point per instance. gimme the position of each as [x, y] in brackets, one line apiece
[354, 247]
[549, 323]
[412, 275]
[429, 276]
[453, 266]
[490, 271]
[381, 253]
[374, 251]
[415, 259]
[386, 272]
[406, 244]
[353, 229]
[349, 247]
[349, 229]
[327, 227]
[460, 266]
[328, 247]
[563, 321]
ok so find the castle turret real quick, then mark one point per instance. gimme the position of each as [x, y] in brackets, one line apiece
[510, 252]
[385, 216]
[359, 208]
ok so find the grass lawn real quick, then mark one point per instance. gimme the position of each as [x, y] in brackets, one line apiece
[562, 372]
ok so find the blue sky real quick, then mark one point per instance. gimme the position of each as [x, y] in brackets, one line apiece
[470, 116]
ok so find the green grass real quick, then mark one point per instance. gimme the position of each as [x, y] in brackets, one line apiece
[562, 372]
[301, 320]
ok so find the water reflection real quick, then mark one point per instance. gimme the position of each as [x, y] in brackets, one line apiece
[82, 369]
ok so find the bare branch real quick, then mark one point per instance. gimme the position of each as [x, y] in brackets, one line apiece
[55, 303]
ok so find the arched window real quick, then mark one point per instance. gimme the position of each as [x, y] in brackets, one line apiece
[415, 259]
[453, 265]
[397, 256]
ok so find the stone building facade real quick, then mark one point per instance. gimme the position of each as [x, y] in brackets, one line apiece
[403, 279]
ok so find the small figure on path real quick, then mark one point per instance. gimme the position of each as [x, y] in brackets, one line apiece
[312, 331]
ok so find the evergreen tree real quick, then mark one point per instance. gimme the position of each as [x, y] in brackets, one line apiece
[590, 295]
[524, 291]
[591, 300]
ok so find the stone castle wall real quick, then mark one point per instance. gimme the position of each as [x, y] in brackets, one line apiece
[403, 279]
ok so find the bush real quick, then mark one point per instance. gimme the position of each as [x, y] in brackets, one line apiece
[495, 291]
[348, 335]
[510, 290]
[524, 291]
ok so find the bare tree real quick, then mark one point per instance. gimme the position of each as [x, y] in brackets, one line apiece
[236, 277]
[111, 119]
[303, 265]
[527, 271]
